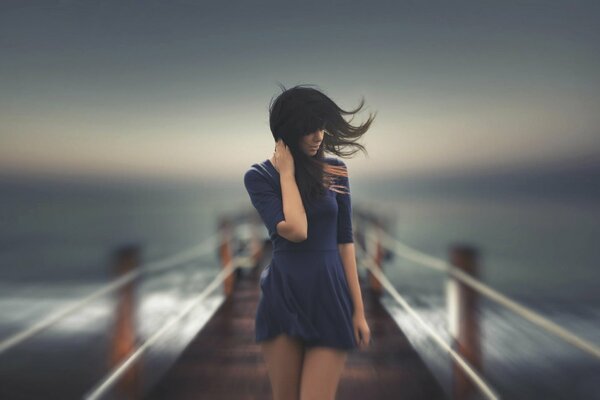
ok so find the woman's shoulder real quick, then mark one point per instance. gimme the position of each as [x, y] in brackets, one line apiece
[258, 171]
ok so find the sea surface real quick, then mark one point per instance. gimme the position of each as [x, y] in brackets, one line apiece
[57, 239]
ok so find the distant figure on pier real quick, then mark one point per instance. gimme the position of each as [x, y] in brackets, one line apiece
[310, 312]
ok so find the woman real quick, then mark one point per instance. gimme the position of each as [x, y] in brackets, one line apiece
[310, 312]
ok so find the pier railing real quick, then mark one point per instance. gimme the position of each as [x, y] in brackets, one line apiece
[462, 288]
[108, 382]
[163, 265]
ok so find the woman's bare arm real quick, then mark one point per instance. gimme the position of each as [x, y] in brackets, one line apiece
[295, 226]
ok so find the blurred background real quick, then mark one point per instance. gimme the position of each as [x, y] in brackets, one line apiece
[134, 122]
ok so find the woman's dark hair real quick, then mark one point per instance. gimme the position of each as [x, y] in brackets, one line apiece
[302, 110]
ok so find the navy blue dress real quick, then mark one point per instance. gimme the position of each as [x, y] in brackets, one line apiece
[304, 291]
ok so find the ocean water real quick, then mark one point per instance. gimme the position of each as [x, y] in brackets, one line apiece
[56, 241]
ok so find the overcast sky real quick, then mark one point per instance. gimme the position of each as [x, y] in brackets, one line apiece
[181, 88]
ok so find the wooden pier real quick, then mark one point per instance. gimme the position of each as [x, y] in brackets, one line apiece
[223, 361]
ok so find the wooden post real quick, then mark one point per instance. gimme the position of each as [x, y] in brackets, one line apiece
[463, 319]
[376, 250]
[256, 245]
[359, 234]
[126, 259]
[225, 253]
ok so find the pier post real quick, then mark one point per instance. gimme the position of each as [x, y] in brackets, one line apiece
[256, 245]
[463, 319]
[376, 250]
[124, 337]
[225, 252]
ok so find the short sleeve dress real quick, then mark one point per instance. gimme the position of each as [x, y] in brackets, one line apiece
[303, 290]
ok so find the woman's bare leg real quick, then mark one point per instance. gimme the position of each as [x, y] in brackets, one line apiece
[283, 357]
[321, 371]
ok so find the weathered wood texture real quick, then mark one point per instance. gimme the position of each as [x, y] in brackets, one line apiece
[224, 363]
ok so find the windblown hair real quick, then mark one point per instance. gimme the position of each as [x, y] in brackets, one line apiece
[302, 110]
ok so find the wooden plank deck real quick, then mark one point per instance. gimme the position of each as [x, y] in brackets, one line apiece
[223, 362]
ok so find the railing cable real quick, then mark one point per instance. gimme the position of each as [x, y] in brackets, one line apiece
[113, 376]
[152, 267]
[426, 260]
[478, 380]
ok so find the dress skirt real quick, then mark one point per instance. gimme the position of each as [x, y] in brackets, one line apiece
[305, 294]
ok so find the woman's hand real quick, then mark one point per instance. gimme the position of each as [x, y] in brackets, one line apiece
[362, 333]
[284, 161]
